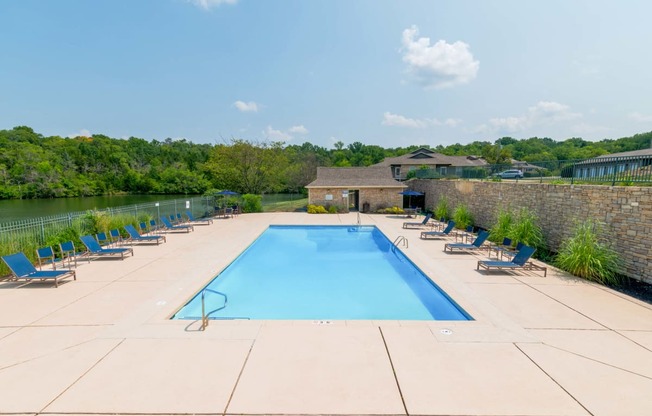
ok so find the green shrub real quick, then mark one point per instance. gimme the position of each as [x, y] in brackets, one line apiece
[332, 209]
[525, 230]
[462, 217]
[391, 210]
[252, 203]
[584, 256]
[500, 229]
[97, 221]
[316, 209]
[119, 221]
[442, 210]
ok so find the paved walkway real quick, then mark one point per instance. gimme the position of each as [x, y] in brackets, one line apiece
[104, 344]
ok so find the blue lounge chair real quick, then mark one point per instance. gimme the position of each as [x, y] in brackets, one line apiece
[511, 252]
[96, 250]
[506, 245]
[70, 253]
[45, 255]
[436, 234]
[519, 262]
[135, 237]
[418, 224]
[476, 245]
[103, 239]
[142, 227]
[170, 227]
[193, 220]
[116, 238]
[153, 226]
[22, 269]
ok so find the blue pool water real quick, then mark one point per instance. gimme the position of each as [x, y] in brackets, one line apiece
[323, 273]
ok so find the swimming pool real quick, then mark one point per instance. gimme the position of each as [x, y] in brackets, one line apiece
[323, 273]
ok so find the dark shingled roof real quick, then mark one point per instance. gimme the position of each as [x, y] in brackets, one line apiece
[367, 177]
[641, 152]
[428, 157]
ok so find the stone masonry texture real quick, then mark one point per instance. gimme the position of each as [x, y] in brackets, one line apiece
[624, 211]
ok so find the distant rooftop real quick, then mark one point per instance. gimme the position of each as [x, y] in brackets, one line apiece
[425, 156]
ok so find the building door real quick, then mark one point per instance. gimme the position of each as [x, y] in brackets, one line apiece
[354, 200]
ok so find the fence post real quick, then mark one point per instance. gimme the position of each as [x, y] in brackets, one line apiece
[42, 231]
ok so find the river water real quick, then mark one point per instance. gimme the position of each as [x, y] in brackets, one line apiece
[16, 209]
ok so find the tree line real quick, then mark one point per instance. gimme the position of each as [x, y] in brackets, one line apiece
[37, 166]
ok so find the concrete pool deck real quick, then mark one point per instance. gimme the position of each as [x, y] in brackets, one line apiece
[104, 344]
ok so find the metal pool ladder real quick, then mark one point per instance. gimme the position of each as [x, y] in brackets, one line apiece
[400, 240]
[204, 315]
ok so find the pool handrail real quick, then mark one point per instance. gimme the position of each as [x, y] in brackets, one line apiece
[204, 315]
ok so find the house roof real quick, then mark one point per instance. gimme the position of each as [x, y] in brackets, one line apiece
[641, 152]
[359, 177]
[631, 154]
[425, 156]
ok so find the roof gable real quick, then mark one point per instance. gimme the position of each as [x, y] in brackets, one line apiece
[369, 177]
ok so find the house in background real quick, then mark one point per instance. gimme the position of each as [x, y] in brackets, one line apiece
[367, 189]
[442, 164]
[636, 163]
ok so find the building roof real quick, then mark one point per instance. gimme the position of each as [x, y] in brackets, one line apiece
[646, 153]
[425, 156]
[641, 152]
[359, 177]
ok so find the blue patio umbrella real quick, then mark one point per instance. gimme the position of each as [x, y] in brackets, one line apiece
[410, 193]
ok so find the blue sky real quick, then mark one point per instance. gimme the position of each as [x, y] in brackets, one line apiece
[390, 73]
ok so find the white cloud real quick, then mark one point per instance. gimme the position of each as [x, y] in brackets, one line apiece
[298, 129]
[543, 113]
[390, 119]
[590, 129]
[284, 135]
[450, 122]
[81, 133]
[441, 65]
[273, 134]
[209, 4]
[510, 124]
[398, 120]
[246, 107]
[546, 111]
[640, 118]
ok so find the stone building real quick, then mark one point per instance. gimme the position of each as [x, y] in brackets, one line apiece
[351, 189]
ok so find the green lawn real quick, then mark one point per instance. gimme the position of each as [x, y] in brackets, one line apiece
[285, 206]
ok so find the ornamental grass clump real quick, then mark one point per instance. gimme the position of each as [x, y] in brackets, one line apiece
[441, 210]
[462, 217]
[584, 256]
[500, 229]
[526, 230]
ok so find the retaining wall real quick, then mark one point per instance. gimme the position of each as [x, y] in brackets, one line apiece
[625, 211]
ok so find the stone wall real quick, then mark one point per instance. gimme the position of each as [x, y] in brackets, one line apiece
[376, 197]
[626, 212]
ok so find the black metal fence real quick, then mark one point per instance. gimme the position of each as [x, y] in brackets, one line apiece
[627, 170]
